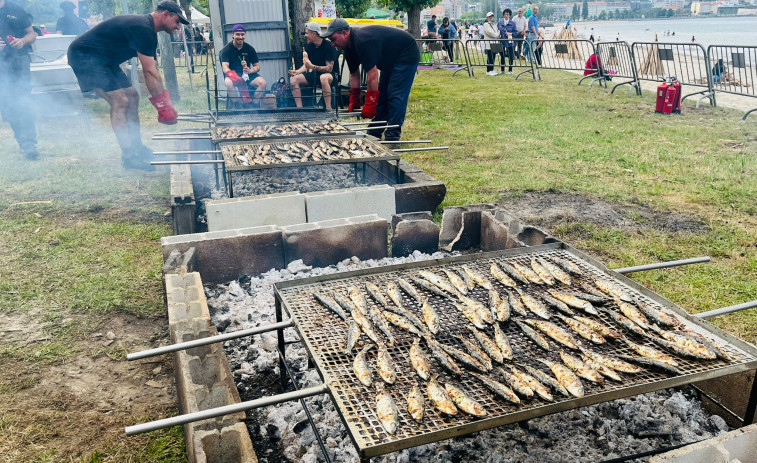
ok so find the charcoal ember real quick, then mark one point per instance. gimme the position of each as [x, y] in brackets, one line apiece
[652, 428]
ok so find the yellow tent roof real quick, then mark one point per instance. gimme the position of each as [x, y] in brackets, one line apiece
[362, 22]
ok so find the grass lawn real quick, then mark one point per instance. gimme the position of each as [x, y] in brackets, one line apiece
[80, 260]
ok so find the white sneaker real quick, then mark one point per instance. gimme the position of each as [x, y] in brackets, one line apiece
[491, 73]
[510, 72]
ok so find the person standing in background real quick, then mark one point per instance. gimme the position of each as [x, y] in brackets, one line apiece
[431, 29]
[533, 29]
[70, 24]
[507, 31]
[490, 33]
[15, 76]
[521, 29]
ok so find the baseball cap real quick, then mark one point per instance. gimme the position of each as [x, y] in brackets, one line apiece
[173, 7]
[489, 14]
[238, 28]
[313, 26]
[335, 25]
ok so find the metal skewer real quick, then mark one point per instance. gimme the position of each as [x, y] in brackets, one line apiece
[362, 123]
[400, 142]
[188, 132]
[725, 310]
[376, 127]
[161, 153]
[672, 263]
[169, 163]
[177, 137]
[429, 148]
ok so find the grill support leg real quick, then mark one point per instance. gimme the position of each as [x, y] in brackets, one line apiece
[228, 182]
[751, 406]
[282, 347]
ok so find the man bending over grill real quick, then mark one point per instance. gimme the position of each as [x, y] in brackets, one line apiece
[317, 64]
[95, 58]
[378, 48]
[241, 65]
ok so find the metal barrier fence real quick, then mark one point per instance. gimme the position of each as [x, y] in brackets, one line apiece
[439, 53]
[197, 56]
[733, 70]
[565, 54]
[616, 59]
[687, 62]
[488, 53]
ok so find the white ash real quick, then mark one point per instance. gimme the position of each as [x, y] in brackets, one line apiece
[302, 179]
[588, 434]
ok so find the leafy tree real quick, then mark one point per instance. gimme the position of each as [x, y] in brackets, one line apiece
[413, 9]
[602, 15]
[472, 16]
[575, 14]
[546, 11]
[670, 12]
[352, 8]
[585, 10]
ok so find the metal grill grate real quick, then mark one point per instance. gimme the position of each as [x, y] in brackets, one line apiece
[325, 334]
[277, 130]
[264, 155]
[262, 117]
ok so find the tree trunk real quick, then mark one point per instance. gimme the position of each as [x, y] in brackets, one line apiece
[414, 21]
[300, 12]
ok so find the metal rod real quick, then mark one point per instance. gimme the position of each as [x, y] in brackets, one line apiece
[352, 114]
[188, 132]
[170, 163]
[372, 127]
[207, 340]
[280, 342]
[672, 263]
[347, 124]
[161, 153]
[400, 142]
[430, 148]
[725, 310]
[178, 137]
[225, 410]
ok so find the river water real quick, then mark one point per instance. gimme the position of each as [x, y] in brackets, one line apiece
[706, 30]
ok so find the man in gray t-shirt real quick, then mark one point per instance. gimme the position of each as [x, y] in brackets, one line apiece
[521, 27]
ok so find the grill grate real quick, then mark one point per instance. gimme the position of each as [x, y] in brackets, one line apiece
[262, 117]
[325, 334]
[277, 130]
[301, 152]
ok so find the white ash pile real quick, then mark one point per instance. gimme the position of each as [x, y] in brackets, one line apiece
[304, 179]
[282, 433]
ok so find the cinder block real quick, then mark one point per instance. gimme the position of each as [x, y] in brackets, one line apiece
[229, 444]
[325, 243]
[734, 446]
[422, 215]
[461, 227]
[225, 255]
[419, 192]
[350, 202]
[274, 209]
[533, 236]
[411, 235]
[493, 233]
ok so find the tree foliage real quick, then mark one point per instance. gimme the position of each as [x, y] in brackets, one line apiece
[585, 10]
[352, 8]
[413, 9]
[576, 14]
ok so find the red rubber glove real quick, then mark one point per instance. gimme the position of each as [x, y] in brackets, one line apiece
[166, 113]
[371, 98]
[234, 77]
[354, 99]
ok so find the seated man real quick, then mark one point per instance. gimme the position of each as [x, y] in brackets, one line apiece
[240, 65]
[318, 57]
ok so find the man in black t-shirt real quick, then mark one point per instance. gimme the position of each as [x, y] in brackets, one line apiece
[317, 65]
[241, 65]
[96, 56]
[378, 48]
[15, 75]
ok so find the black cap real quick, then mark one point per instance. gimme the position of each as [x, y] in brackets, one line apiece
[66, 5]
[173, 7]
[335, 25]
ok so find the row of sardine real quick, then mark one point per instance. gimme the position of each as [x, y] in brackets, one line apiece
[277, 130]
[301, 151]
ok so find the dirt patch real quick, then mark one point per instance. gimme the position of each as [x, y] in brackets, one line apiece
[546, 209]
[79, 408]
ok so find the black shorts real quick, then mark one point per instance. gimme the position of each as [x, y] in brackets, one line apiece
[93, 74]
[314, 78]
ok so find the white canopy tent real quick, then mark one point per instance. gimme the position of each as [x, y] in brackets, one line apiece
[198, 17]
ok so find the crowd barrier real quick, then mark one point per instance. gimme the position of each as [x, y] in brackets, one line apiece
[737, 75]
[443, 53]
[687, 62]
[493, 55]
[565, 54]
[617, 62]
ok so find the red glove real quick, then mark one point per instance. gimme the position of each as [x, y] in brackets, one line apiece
[371, 98]
[166, 113]
[234, 77]
[354, 99]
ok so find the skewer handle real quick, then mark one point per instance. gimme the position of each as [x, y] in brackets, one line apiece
[429, 148]
[400, 142]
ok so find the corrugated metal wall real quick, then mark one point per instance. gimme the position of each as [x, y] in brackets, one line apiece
[267, 24]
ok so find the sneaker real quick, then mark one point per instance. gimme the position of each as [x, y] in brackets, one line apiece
[510, 73]
[491, 73]
[136, 158]
[31, 153]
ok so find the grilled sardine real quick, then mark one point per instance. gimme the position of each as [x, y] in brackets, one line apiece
[439, 398]
[515, 274]
[660, 317]
[583, 330]
[518, 385]
[601, 369]
[456, 281]
[683, 345]
[442, 357]
[533, 335]
[437, 281]
[353, 334]
[516, 304]
[393, 291]
[498, 388]
[358, 298]
[476, 353]
[401, 322]
[330, 304]
[554, 332]
[580, 368]
[374, 313]
[365, 325]
[346, 304]
[471, 315]
[559, 274]
[651, 353]
[625, 323]
[419, 361]
[613, 289]
[529, 274]
[477, 278]
[361, 368]
[534, 384]
[409, 289]
[534, 305]
[501, 276]
[600, 328]
[559, 305]
[611, 362]
[464, 402]
[415, 403]
[385, 365]
[633, 314]
[464, 358]
[429, 287]
[546, 379]
[387, 412]
[543, 273]
[567, 265]
[565, 377]
[375, 293]
[430, 317]
[647, 362]
[490, 347]
[573, 301]
[503, 343]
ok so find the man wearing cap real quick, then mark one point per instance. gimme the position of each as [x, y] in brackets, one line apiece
[16, 37]
[70, 24]
[317, 65]
[378, 48]
[241, 65]
[95, 58]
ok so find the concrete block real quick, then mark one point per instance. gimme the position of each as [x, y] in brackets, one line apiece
[425, 195]
[494, 233]
[533, 236]
[731, 447]
[350, 202]
[225, 255]
[274, 209]
[461, 227]
[422, 215]
[230, 444]
[411, 235]
[325, 243]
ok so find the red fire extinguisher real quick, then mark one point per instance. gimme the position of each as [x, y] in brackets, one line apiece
[669, 97]
[662, 89]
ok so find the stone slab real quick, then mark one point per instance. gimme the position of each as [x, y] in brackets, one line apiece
[424, 195]
[253, 211]
[422, 215]
[324, 243]
[350, 202]
[412, 235]
[225, 255]
[461, 227]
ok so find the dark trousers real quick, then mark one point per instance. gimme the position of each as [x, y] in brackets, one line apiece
[490, 60]
[510, 52]
[394, 91]
[450, 47]
[519, 45]
[15, 100]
